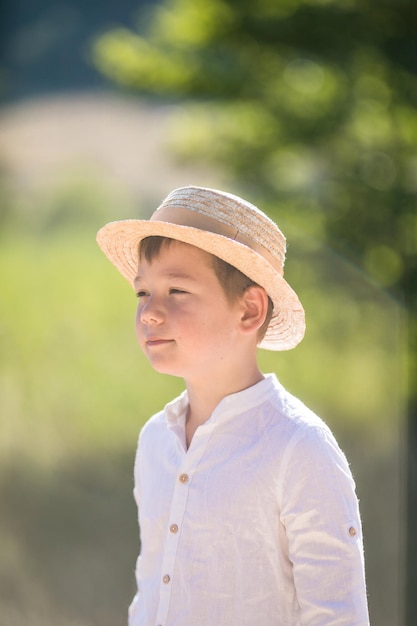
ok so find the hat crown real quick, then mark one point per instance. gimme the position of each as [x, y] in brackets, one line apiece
[244, 221]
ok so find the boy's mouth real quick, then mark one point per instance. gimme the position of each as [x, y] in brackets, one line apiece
[157, 341]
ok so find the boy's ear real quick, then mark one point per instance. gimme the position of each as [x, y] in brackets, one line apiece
[255, 308]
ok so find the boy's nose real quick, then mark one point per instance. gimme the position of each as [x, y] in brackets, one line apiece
[150, 312]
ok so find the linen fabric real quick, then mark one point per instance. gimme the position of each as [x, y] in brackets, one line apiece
[256, 523]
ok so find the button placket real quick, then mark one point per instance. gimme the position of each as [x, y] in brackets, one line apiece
[178, 506]
[180, 494]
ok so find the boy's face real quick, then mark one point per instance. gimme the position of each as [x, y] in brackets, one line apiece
[184, 324]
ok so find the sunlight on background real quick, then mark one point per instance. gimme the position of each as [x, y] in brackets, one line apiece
[323, 141]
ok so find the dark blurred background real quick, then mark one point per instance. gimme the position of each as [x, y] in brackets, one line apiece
[305, 107]
[46, 44]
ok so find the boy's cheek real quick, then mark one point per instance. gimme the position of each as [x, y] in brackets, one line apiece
[139, 335]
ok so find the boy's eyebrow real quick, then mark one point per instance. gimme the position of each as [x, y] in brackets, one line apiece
[172, 275]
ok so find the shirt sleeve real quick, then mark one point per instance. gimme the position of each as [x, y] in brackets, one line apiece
[320, 513]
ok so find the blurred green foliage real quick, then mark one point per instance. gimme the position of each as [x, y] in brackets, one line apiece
[310, 103]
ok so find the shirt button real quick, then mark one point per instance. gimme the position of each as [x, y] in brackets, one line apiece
[184, 478]
[352, 531]
[173, 528]
[166, 579]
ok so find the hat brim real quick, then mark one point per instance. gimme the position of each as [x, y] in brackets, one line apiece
[120, 243]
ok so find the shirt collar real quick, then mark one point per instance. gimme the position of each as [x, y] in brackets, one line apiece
[233, 404]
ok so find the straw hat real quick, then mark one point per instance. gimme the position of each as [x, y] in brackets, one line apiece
[228, 227]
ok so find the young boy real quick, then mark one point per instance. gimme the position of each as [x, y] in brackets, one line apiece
[247, 509]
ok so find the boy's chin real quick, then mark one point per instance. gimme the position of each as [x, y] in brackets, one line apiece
[165, 368]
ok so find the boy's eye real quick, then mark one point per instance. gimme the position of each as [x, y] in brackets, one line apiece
[175, 291]
[142, 293]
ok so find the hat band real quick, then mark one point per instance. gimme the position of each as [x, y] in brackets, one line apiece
[186, 217]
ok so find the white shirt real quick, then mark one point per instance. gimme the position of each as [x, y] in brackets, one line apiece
[257, 524]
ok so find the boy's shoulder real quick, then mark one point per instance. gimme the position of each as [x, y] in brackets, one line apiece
[290, 408]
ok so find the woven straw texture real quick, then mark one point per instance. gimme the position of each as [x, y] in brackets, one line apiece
[228, 227]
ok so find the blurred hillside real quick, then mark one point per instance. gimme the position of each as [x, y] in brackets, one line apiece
[120, 141]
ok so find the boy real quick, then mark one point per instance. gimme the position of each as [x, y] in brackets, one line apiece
[247, 509]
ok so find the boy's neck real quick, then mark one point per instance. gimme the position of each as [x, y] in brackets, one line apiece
[205, 397]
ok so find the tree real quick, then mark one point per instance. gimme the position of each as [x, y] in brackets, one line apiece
[311, 101]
